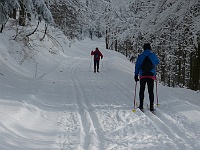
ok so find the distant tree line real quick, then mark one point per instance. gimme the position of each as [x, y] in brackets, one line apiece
[171, 26]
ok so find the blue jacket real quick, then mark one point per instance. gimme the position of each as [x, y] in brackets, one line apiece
[153, 58]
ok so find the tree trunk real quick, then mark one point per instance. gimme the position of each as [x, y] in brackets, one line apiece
[183, 68]
[116, 47]
[195, 69]
[179, 66]
[163, 68]
[191, 71]
[106, 39]
[199, 65]
[1, 29]
[34, 30]
[45, 32]
[198, 68]
[22, 14]
[14, 13]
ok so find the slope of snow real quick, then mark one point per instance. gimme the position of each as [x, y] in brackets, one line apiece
[52, 100]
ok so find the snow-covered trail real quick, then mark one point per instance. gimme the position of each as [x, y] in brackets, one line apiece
[70, 107]
[104, 103]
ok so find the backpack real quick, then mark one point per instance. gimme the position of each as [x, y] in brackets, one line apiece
[147, 66]
[96, 54]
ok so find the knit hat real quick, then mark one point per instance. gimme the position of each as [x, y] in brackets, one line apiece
[147, 46]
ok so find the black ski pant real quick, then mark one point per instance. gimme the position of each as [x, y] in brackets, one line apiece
[150, 85]
[96, 65]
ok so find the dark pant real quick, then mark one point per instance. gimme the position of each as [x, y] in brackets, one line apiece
[150, 84]
[96, 65]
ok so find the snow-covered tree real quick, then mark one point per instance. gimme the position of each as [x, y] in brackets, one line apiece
[21, 10]
[171, 26]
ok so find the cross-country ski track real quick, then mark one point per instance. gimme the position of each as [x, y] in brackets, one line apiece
[68, 106]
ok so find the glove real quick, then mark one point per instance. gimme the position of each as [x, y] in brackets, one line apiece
[136, 78]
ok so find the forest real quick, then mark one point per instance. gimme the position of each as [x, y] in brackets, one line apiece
[171, 26]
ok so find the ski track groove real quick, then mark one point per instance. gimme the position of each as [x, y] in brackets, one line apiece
[186, 132]
[192, 99]
[82, 115]
[92, 116]
[120, 87]
[169, 129]
[177, 102]
[91, 137]
[63, 135]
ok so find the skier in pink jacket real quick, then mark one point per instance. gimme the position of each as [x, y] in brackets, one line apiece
[97, 56]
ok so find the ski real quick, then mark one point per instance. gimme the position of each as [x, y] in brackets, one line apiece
[153, 112]
[143, 110]
[133, 110]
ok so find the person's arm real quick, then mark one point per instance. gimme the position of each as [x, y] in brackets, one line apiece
[101, 55]
[92, 53]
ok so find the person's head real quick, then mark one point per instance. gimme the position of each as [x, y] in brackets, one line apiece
[97, 48]
[147, 46]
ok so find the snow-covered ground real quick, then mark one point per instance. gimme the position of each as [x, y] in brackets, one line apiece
[52, 100]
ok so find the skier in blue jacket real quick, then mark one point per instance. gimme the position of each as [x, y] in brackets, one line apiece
[146, 77]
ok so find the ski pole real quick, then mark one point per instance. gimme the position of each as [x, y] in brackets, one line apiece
[90, 63]
[134, 110]
[157, 91]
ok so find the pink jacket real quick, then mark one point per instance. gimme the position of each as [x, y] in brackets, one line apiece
[97, 54]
